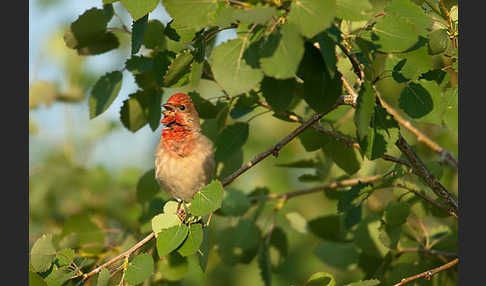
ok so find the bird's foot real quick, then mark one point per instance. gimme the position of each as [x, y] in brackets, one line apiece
[181, 212]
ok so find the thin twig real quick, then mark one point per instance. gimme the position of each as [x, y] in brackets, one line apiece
[120, 256]
[333, 185]
[274, 150]
[424, 197]
[421, 137]
[420, 170]
[427, 274]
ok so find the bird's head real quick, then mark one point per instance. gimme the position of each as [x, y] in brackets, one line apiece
[180, 112]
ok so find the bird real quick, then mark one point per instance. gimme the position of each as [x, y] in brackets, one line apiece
[184, 157]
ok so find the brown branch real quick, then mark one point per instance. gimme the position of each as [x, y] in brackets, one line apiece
[276, 148]
[333, 185]
[422, 171]
[125, 255]
[429, 273]
[424, 197]
[421, 137]
[350, 143]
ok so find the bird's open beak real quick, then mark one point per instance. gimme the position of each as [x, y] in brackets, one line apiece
[168, 113]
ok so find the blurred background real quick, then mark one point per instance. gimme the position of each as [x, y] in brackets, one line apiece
[82, 166]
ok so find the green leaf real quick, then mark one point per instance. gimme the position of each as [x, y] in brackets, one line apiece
[139, 8]
[178, 68]
[139, 269]
[232, 138]
[303, 163]
[88, 33]
[132, 113]
[245, 104]
[371, 282]
[417, 62]
[239, 244]
[415, 100]
[235, 203]
[231, 70]
[138, 31]
[450, 116]
[191, 14]
[410, 11]
[278, 93]
[36, 280]
[438, 41]
[353, 10]
[278, 241]
[396, 213]
[297, 221]
[57, 277]
[326, 227]
[203, 253]
[171, 238]
[231, 164]
[395, 34]
[389, 235]
[65, 257]
[164, 221]
[364, 109]
[104, 93]
[147, 187]
[170, 207]
[205, 108]
[207, 199]
[108, 12]
[90, 237]
[366, 237]
[139, 64]
[321, 279]
[354, 197]
[312, 139]
[193, 241]
[328, 51]
[282, 53]
[42, 253]
[342, 155]
[320, 90]
[264, 263]
[103, 277]
[309, 178]
[174, 268]
[312, 16]
[337, 254]
[247, 234]
[154, 37]
[257, 15]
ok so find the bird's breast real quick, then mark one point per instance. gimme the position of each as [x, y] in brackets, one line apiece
[181, 176]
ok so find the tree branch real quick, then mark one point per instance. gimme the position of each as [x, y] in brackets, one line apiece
[276, 148]
[125, 255]
[429, 273]
[421, 171]
[424, 197]
[421, 137]
[333, 185]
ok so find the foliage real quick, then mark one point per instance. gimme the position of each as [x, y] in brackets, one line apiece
[288, 58]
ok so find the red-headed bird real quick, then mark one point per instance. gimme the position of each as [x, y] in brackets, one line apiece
[184, 158]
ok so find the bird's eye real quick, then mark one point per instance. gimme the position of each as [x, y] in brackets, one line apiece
[182, 107]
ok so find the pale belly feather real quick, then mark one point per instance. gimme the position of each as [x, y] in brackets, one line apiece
[182, 177]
